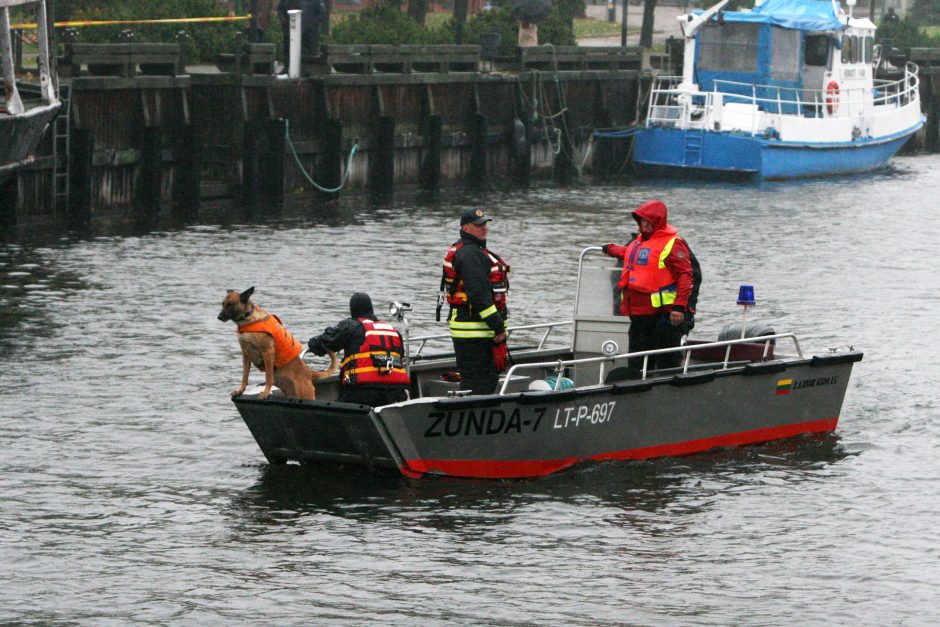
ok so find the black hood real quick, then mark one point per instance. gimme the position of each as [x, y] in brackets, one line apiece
[360, 306]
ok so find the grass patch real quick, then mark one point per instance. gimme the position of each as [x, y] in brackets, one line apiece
[597, 28]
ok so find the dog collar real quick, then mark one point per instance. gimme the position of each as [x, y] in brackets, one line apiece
[246, 314]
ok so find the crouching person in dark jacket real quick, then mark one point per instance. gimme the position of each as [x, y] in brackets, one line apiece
[373, 370]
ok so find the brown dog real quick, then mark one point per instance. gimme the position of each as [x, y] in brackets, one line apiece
[271, 348]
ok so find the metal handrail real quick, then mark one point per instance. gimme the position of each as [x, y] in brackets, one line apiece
[548, 326]
[561, 364]
[902, 91]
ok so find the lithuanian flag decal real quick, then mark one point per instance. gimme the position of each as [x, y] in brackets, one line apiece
[783, 386]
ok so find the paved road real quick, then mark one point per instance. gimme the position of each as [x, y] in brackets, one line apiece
[664, 24]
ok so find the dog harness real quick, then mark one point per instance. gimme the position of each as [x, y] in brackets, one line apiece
[286, 348]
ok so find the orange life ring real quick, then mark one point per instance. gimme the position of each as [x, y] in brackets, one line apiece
[832, 97]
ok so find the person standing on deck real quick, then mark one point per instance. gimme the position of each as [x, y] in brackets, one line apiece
[476, 283]
[656, 284]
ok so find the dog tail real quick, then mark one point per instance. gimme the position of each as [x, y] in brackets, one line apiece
[334, 366]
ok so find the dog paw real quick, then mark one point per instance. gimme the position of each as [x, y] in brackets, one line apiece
[237, 392]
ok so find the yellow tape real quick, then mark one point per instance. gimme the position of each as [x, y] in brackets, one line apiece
[175, 20]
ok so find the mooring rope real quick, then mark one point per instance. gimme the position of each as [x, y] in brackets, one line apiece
[346, 174]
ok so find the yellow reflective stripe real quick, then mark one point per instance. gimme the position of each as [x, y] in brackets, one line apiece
[469, 334]
[454, 324]
[489, 311]
[662, 297]
[666, 250]
[355, 356]
[468, 330]
[353, 371]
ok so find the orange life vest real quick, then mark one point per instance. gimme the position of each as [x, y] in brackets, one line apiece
[645, 270]
[499, 278]
[285, 346]
[379, 360]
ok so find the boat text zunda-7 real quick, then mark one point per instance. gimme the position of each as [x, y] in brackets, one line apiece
[558, 406]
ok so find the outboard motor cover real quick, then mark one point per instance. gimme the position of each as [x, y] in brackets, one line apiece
[753, 329]
[531, 10]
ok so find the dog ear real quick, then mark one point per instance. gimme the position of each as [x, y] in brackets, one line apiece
[244, 296]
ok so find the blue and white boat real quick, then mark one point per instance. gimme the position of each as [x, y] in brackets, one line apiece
[784, 90]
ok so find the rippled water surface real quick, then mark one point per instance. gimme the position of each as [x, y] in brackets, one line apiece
[132, 491]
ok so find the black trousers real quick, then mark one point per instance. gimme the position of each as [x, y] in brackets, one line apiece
[650, 333]
[475, 364]
[374, 396]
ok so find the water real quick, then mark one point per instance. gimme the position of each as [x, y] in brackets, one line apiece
[133, 493]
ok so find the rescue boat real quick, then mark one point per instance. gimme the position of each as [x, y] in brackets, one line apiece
[561, 405]
[784, 90]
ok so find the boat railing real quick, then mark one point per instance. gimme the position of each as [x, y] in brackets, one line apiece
[559, 366]
[13, 103]
[672, 106]
[547, 327]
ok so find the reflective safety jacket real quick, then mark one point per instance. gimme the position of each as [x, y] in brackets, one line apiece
[379, 360]
[656, 273]
[476, 281]
[286, 347]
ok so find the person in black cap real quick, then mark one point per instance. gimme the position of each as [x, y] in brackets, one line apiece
[475, 284]
[372, 371]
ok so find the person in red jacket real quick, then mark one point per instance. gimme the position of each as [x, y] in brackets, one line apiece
[656, 283]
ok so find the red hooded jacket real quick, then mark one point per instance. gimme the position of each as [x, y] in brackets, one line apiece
[678, 263]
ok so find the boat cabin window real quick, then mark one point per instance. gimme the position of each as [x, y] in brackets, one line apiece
[850, 49]
[869, 49]
[785, 61]
[729, 47]
[816, 51]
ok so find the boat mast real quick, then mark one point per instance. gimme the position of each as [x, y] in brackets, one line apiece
[690, 25]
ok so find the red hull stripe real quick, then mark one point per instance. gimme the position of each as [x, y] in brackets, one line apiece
[492, 469]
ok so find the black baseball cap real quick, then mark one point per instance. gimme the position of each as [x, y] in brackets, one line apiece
[474, 216]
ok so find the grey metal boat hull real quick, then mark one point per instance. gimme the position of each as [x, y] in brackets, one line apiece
[19, 136]
[537, 433]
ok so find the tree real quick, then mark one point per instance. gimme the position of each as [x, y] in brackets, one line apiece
[925, 12]
[418, 10]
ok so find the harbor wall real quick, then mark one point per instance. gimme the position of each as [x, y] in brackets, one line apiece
[137, 146]
[140, 146]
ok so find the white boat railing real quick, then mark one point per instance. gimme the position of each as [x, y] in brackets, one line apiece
[12, 102]
[672, 106]
[549, 327]
[559, 365]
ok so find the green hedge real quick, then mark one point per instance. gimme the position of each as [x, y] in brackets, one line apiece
[386, 24]
[906, 34]
[205, 40]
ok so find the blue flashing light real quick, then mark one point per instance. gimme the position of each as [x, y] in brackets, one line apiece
[746, 295]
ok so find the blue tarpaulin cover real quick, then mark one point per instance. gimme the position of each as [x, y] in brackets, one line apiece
[809, 15]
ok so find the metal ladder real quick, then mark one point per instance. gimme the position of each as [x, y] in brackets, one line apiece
[693, 147]
[61, 129]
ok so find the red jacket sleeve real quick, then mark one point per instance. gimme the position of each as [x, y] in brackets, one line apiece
[679, 263]
[616, 250]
